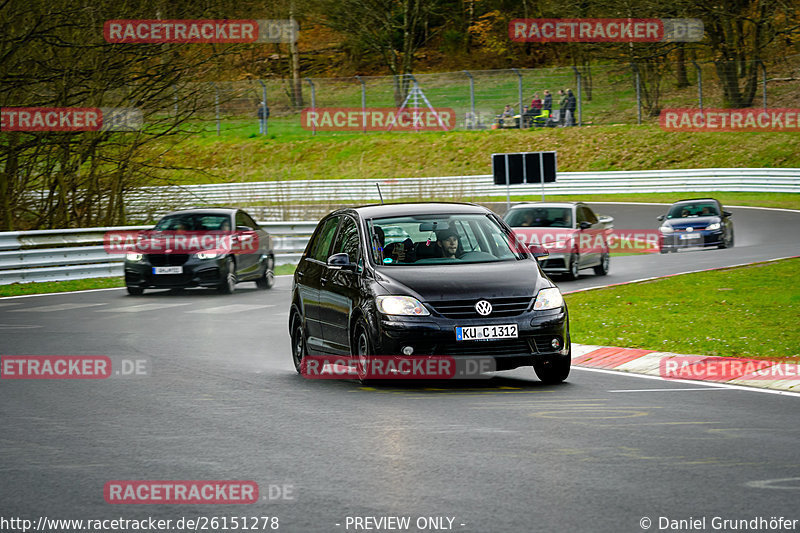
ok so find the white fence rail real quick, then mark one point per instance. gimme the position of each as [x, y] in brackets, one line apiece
[58, 255]
[53, 255]
[154, 201]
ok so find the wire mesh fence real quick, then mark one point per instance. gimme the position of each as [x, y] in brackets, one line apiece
[603, 94]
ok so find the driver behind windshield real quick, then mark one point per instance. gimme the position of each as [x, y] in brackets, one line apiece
[448, 244]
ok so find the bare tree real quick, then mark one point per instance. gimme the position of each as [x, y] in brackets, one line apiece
[53, 54]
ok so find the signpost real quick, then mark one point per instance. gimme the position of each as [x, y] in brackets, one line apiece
[524, 167]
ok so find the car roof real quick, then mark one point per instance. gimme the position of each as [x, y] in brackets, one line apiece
[690, 200]
[545, 204]
[416, 208]
[205, 211]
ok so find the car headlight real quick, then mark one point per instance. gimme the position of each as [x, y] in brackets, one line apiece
[715, 225]
[548, 299]
[207, 255]
[134, 257]
[666, 229]
[401, 305]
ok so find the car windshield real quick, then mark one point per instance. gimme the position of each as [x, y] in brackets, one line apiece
[440, 239]
[194, 222]
[700, 209]
[540, 217]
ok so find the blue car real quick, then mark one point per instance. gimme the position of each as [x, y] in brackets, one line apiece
[700, 222]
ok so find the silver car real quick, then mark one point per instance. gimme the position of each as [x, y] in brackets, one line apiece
[572, 233]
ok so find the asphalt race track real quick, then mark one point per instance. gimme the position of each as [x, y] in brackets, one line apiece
[599, 453]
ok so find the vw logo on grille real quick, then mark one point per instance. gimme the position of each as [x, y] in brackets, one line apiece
[690, 229]
[483, 308]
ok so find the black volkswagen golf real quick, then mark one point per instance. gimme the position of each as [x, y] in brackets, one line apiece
[427, 279]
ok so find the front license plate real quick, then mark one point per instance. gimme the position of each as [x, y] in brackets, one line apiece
[168, 270]
[691, 236]
[482, 333]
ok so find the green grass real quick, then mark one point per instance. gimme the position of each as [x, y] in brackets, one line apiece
[758, 199]
[750, 311]
[18, 289]
[240, 155]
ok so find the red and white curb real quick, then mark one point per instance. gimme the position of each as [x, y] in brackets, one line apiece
[764, 374]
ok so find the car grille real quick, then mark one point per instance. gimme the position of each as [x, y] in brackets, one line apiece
[501, 307]
[494, 348]
[167, 259]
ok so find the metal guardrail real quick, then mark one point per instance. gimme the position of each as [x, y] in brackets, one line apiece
[154, 201]
[52, 255]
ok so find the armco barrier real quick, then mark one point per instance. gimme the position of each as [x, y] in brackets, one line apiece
[53, 255]
[149, 202]
[57, 255]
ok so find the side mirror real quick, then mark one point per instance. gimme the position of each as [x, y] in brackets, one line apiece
[727, 213]
[584, 225]
[538, 251]
[660, 218]
[341, 261]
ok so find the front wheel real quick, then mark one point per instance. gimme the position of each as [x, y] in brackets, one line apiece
[553, 371]
[362, 351]
[602, 268]
[573, 266]
[267, 279]
[298, 344]
[228, 285]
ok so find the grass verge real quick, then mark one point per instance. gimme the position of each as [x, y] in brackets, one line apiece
[19, 289]
[241, 158]
[750, 311]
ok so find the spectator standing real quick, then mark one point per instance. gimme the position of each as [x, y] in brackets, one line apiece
[562, 107]
[263, 115]
[571, 106]
[536, 103]
[547, 105]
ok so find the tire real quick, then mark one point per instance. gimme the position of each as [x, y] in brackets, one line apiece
[135, 291]
[723, 244]
[267, 279]
[299, 350]
[553, 371]
[602, 268]
[361, 349]
[574, 272]
[228, 286]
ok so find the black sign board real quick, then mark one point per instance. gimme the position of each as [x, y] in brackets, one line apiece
[524, 167]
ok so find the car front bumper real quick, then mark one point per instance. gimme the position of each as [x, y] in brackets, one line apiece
[435, 335]
[694, 239]
[196, 273]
